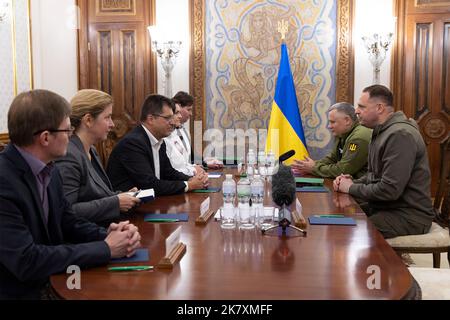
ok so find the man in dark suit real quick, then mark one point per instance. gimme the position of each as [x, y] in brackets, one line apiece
[39, 233]
[140, 158]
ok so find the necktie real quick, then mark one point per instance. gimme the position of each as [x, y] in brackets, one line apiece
[187, 135]
[44, 177]
[182, 139]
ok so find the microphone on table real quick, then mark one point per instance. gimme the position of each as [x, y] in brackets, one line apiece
[283, 194]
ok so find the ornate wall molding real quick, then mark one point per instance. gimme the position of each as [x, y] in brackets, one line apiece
[197, 67]
[124, 7]
[345, 51]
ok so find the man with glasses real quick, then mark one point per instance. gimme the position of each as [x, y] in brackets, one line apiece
[395, 192]
[40, 235]
[140, 158]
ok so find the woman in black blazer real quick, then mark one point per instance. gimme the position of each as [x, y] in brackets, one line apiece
[86, 184]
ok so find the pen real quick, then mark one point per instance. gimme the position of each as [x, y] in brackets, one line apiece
[136, 193]
[131, 268]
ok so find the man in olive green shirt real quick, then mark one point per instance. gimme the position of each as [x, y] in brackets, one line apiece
[349, 154]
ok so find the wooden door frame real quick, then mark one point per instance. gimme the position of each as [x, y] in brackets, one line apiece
[150, 76]
[398, 52]
[399, 46]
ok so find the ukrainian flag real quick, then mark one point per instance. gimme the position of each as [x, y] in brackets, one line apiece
[285, 127]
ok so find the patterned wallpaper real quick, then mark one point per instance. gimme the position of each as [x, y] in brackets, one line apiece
[15, 62]
[242, 57]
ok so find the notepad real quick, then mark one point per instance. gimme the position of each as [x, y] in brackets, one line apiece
[168, 217]
[312, 189]
[332, 221]
[209, 190]
[141, 255]
[214, 175]
[303, 180]
[145, 195]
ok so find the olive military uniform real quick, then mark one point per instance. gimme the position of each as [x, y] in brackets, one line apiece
[397, 184]
[349, 155]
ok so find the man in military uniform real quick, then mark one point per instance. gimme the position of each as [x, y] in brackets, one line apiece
[349, 154]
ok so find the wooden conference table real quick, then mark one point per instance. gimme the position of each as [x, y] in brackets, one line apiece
[332, 262]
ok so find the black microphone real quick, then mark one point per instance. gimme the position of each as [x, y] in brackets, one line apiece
[283, 186]
[286, 156]
[283, 193]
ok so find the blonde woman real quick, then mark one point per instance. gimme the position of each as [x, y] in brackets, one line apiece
[86, 184]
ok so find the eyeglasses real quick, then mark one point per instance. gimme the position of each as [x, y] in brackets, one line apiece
[68, 131]
[167, 118]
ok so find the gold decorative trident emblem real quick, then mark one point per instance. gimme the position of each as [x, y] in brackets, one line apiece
[283, 28]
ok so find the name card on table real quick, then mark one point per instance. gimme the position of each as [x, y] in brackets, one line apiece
[214, 175]
[175, 250]
[205, 212]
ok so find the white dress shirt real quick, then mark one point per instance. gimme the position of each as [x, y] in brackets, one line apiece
[156, 145]
[178, 155]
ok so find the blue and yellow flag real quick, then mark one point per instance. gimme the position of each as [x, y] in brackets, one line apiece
[285, 127]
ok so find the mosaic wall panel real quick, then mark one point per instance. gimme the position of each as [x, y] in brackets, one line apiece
[242, 58]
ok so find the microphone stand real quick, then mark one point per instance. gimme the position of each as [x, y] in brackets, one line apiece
[284, 224]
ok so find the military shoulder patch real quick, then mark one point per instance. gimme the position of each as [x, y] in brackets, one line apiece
[353, 147]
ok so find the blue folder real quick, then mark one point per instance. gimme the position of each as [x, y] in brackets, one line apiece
[332, 221]
[175, 216]
[141, 255]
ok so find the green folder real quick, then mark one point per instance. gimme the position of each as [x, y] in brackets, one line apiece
[309, 180]
[209, 190]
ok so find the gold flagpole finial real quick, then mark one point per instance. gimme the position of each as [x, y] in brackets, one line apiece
[283, 28]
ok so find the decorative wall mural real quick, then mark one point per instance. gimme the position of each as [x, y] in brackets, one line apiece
[242, 56]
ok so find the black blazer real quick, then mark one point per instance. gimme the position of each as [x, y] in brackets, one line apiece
[30, 250]
[131, 165]
[89, 191]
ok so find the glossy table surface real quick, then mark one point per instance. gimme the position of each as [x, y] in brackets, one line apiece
[332, 262]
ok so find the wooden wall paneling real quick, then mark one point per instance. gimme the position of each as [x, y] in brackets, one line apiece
[446, 70]
[398, 51]
[115, 57]
[83, 56]
[423, 63]
[420, 76]
[427, 6]
[150, 59]
[4, 140]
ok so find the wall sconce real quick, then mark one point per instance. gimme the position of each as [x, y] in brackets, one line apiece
[377, 45]
[4, 4]
[167, 51]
